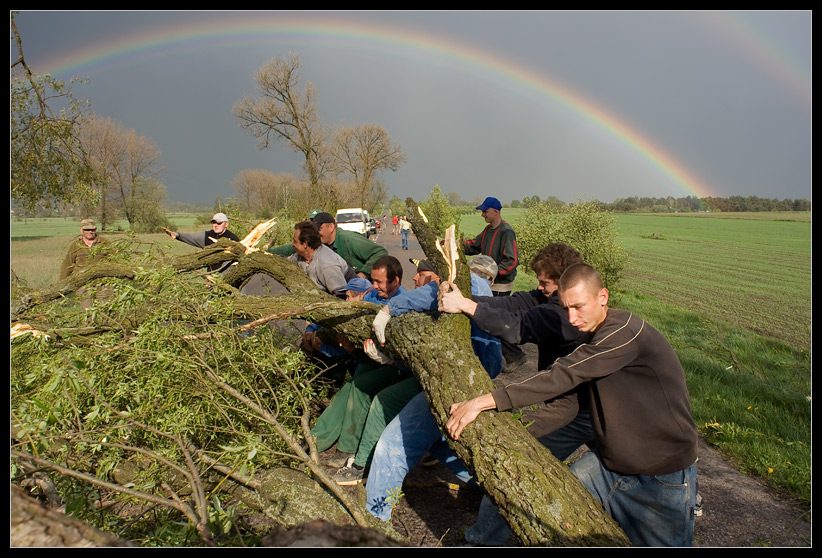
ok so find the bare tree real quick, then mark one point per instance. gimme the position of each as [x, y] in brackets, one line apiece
[118, 156]
[280, 111]
[362, 151]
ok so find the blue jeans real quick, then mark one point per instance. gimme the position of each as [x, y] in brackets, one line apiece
[652, 510]
[405, 234]
[402, 445]
[491, 529]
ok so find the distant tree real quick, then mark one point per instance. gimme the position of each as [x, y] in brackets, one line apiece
[584, 225]
[118, 157]
[264, 193]
[147, 205]
[439, 212]
[361, 152]
[280, 111]
[397, 206]
[515, 203]
[46, 162]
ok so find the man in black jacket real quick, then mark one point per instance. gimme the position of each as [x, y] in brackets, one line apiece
[643, 468]
[562, 424]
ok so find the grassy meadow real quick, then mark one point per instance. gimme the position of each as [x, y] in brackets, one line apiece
[731, 292]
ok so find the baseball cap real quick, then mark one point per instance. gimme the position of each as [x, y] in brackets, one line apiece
[423, 265]
[88, 224]
[358, 284]
[322, 218]
[490, 203]
[484, 265]
[219, 218]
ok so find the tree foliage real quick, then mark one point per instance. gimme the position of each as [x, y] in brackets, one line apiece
[46, 159]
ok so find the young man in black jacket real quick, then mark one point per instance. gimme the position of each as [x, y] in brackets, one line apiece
[643, 468]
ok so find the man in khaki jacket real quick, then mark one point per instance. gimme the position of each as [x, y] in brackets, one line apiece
[80, 250]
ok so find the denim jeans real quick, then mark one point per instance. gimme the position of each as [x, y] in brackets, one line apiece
[405, 234]
[491, 529]
[652, 510]
[402, 445]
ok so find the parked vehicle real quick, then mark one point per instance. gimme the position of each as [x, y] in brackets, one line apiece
[352, 219]
[372, 227]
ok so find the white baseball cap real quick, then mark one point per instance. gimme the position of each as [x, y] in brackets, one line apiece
[219, 218]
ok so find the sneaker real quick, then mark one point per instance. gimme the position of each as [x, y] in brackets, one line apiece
[336, 459]
[350, 475]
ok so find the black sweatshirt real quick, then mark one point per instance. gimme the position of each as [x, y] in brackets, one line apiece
[639, 403]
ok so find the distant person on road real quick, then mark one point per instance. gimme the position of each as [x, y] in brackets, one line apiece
[83, 250]
[643, 465]
[395, 220]
[359, 252]
[405, 231]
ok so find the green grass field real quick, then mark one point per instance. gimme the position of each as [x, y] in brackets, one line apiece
[731, 292]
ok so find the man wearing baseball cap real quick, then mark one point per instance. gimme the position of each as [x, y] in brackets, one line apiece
[84, 249]
[426, 272]
[219, 229]
[499, 241]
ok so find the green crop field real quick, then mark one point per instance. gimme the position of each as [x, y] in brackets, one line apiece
[751, 270]
[753, 273]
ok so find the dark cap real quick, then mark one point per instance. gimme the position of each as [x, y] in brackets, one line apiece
[423, 265]
[490, 203]
[322, 218]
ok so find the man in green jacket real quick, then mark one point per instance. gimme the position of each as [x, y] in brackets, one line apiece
[359, 252]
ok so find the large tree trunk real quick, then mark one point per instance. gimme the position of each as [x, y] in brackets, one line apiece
[540, 498]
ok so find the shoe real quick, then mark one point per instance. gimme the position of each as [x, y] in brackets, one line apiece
[336, 458]
[350, 475]
[429, 460]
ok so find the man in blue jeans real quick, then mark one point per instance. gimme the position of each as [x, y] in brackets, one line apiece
[643, 468]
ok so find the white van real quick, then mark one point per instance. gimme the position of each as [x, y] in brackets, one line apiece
[352, 219]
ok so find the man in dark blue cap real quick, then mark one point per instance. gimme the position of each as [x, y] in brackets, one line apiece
[499, 241]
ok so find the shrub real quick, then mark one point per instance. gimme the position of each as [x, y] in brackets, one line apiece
[583, 225]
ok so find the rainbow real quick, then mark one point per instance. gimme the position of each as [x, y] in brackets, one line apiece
[289, 28]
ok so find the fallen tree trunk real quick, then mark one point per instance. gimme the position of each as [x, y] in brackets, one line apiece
[540, 498]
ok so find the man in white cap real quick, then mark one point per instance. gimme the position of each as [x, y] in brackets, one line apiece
[219, 229]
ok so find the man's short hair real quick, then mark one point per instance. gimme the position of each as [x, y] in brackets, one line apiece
[391, 265]
[554, 259]
[581, 273]
[308, 234]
